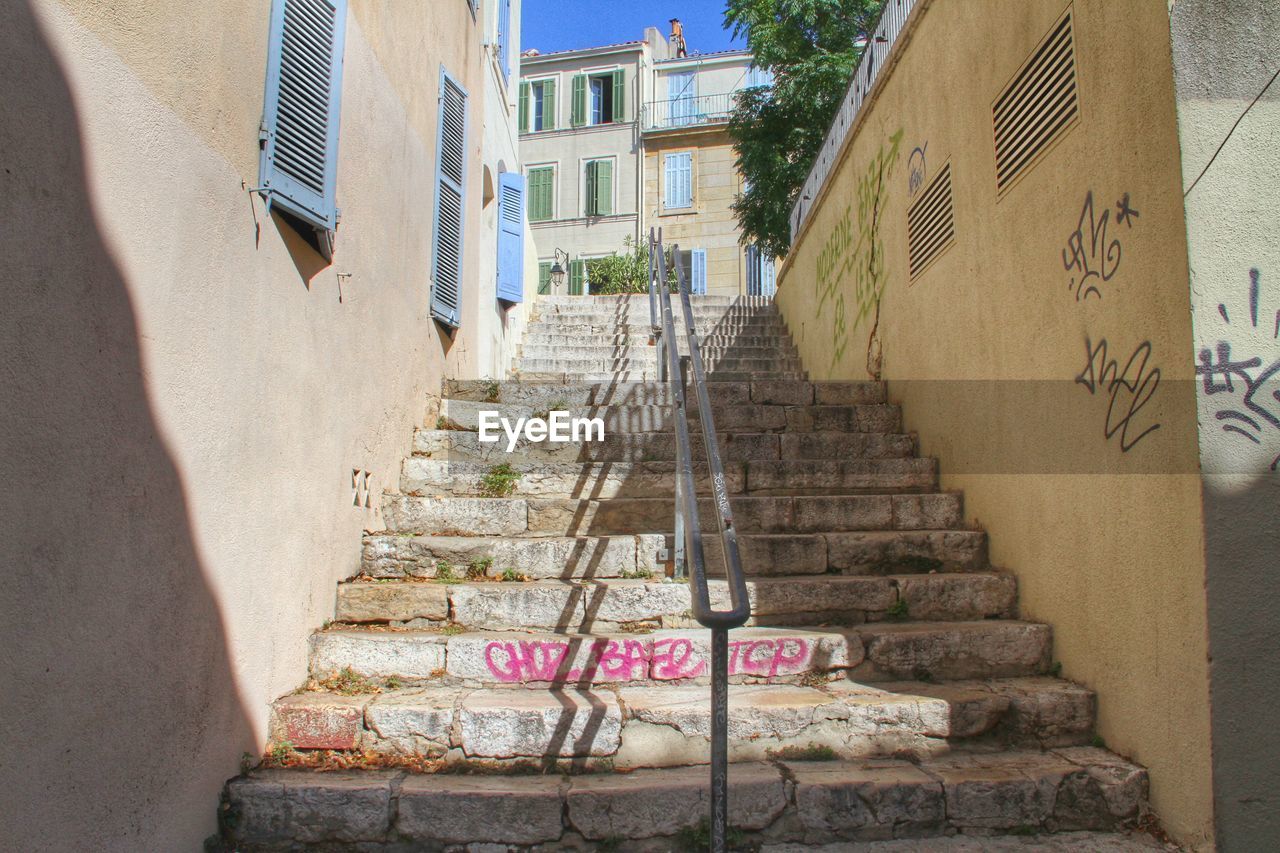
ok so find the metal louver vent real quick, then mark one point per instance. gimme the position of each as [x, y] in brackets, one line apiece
[1037, 106]
[511, 204]
[306, 90]
[930, 223]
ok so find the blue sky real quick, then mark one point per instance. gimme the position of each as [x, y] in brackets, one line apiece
[568, 24]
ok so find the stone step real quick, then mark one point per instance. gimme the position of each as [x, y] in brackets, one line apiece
[425, 476]
[666, 725]
[642, 299]
[763, 555]
[485, 516]
[713, 376]
[549, 337]
[728, 417]
[541, 395]
[465, 415]
[643, 351]
[610, 366]
[969, 793]
[661, 447]
[607, 604]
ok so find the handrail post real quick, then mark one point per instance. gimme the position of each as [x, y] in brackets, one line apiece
[719, 738]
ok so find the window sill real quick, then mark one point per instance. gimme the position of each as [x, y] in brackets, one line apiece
[679, 211]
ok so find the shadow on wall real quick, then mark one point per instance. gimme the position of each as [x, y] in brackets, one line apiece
[119, 709]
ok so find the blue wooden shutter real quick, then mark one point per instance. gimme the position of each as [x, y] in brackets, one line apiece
[511, 236]
[451, 158]
[698, 277]
[678, 180]
[504, 36]
[299, 162]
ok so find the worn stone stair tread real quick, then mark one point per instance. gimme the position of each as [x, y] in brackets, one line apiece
[566, 516]
[574, 605]
[1060, 790]
[601, 393]
[661, 446]
[638, 724]
[396, 555]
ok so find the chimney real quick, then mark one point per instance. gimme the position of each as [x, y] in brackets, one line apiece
[677, 39]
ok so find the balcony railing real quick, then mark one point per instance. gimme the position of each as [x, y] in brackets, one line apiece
[679, 113]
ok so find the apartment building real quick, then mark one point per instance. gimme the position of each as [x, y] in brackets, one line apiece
[620, 138]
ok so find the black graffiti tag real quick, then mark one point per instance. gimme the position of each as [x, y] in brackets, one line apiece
[1090, 256]
[1129, 389]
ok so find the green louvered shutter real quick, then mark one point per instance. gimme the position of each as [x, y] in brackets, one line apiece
[549, 105]
[589, 191]
[541, 181]
[544, 278]
[579, 112]
[524, 107]
[619, 95]
[602, 195]
[299, 160]
[577, 277]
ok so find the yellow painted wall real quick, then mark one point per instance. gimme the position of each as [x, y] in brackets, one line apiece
[711, 224]
[983, 349]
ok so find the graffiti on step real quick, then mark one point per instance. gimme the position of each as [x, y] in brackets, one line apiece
[1128, 389]
[1092, 255]
[1239, 383]
[631, 659]
[857, 250]
[917, 169]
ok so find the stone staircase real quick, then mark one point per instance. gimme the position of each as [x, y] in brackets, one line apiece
[514, 635]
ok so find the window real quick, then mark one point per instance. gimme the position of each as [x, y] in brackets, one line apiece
[577, 277]
[762, 279]
[544, 278]
[298, 165]
[511, 192]
[757, 77]
[677, 180]
[682, 95]
[451, 158]
[542, 183]
[504, 38]
[694, 264]
[599, 98]
[598, 188]
[538, 105]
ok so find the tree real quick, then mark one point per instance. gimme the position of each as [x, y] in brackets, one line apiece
[812, 48]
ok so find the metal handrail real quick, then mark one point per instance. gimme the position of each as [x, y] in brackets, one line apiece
[689, 558]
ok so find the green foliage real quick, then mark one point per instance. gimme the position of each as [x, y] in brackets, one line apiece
[811, 46]
[898, 610]
[445, 572]
[500, 481]
[492, 391]
[512, 576]
[637, 574]
[348, 682]
[479, 569]
[624, 272]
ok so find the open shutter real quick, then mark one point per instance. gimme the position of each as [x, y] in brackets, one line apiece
[589, 190]
[549, 104]
[577, 277]
[511, 192]
[524, 107]
[544, 278]
[604, 188]
[698, 276]
[619, 95]
[299, 161]
[446, 290]
[504, 37]
[579, 113]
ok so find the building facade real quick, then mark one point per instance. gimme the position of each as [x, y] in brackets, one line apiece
[246, 241]
[618, 139]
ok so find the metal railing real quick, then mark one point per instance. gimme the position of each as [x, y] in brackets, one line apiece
[893, 18]
[690, 561]
[678, 113]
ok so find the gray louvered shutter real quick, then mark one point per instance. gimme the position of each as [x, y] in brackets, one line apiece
[299, 161]
[446, 290]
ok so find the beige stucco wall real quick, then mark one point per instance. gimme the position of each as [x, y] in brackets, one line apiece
[983, 350]
[188, 389]
[711, 224]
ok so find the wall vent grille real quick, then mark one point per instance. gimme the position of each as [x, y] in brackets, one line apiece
[930, 223]
[1038, 105]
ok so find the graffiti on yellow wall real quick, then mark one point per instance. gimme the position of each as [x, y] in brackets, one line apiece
[854, 250]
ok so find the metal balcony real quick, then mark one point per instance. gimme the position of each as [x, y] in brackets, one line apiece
[679, 113]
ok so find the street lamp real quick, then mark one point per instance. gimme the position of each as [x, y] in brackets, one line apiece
[558, 271]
